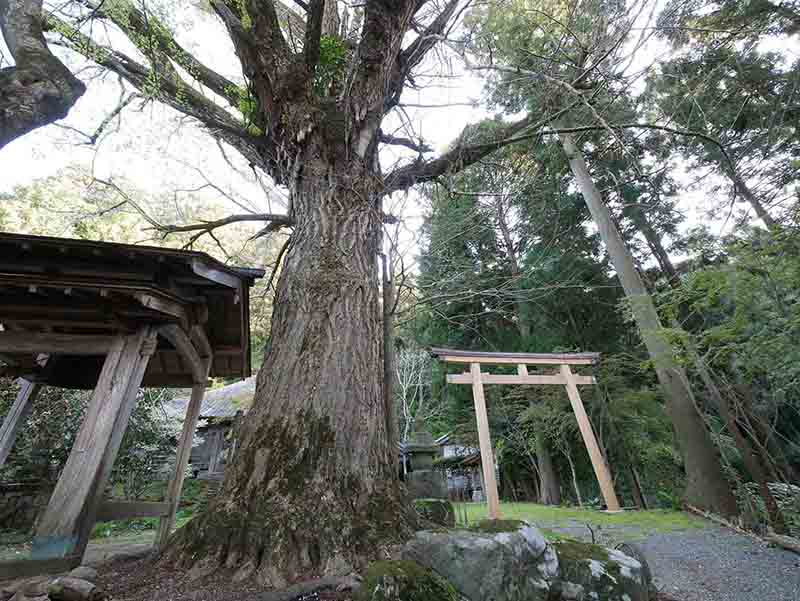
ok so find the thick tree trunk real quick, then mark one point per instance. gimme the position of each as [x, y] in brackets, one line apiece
[313, 488]
[549, 486]
[706, 485]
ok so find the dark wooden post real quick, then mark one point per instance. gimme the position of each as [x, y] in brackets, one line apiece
[175, 485]
[16, 416]
[67, 522]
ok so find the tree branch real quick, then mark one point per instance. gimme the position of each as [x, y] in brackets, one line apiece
[208, 226]
[39, 89]
[456, 159]
[316, 9]
[416, 51]
[150, 35]
[172, 90]
[420, 146]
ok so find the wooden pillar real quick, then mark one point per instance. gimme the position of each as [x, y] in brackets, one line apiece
[487, 456]
[67, 522]
[16, 416]
[598, 461]
[175, 485]
[215, 448]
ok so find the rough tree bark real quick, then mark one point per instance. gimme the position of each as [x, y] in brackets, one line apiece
[313, 487]
[39, 89]
[706, 485]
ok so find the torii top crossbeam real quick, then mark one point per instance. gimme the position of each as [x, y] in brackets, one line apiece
[564, 377]
[457, 356]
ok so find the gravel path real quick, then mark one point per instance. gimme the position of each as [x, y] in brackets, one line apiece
[716, 564]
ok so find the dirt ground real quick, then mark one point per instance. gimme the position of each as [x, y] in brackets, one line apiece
[144, 579]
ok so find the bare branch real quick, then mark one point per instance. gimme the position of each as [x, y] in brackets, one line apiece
[420, 146]
[208, 226]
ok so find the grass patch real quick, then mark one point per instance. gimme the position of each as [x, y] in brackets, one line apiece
[548, 517]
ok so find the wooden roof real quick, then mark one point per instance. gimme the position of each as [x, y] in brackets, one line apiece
[54, 291]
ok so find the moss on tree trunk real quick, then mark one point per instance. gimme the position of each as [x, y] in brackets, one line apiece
[313, 488]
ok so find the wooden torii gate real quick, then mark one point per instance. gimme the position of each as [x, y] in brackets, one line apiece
[111, 317]
[564, 377]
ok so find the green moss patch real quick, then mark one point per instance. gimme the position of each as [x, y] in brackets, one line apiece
[404, 581]
[572, 550]
[497, 526]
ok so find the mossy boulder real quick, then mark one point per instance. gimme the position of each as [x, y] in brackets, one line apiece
[401, 580]
[436, 511]
[509, 560]
[514, 564]
[589, 571]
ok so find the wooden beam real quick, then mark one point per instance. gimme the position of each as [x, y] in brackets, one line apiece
[200, 341]
[458, 356]
[58, 344]
[598, 461]
[16, 416]
[162, 305]
[25, 568]
[218, 276]
[519, 379]
[183, 344]
[124, 510]
[173, 495]
[484, 438]
[65, 525]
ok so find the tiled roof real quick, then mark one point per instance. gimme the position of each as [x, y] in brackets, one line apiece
[224, 401]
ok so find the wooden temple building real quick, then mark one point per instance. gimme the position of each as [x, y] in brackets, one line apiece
[112, 318]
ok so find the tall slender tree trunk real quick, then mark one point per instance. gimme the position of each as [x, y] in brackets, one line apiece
[706, 484]
[574, 477]
[744, 190]
[549, 487]
[749, 458]
[549, 484]
[313, 488]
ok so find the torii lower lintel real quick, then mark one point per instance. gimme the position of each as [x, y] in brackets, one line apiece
[565, 377]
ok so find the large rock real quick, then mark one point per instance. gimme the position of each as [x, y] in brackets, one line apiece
[68, 588]
[404, 581]
[592, 572]
[508, 560]
[436, 511]
[84, 573]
